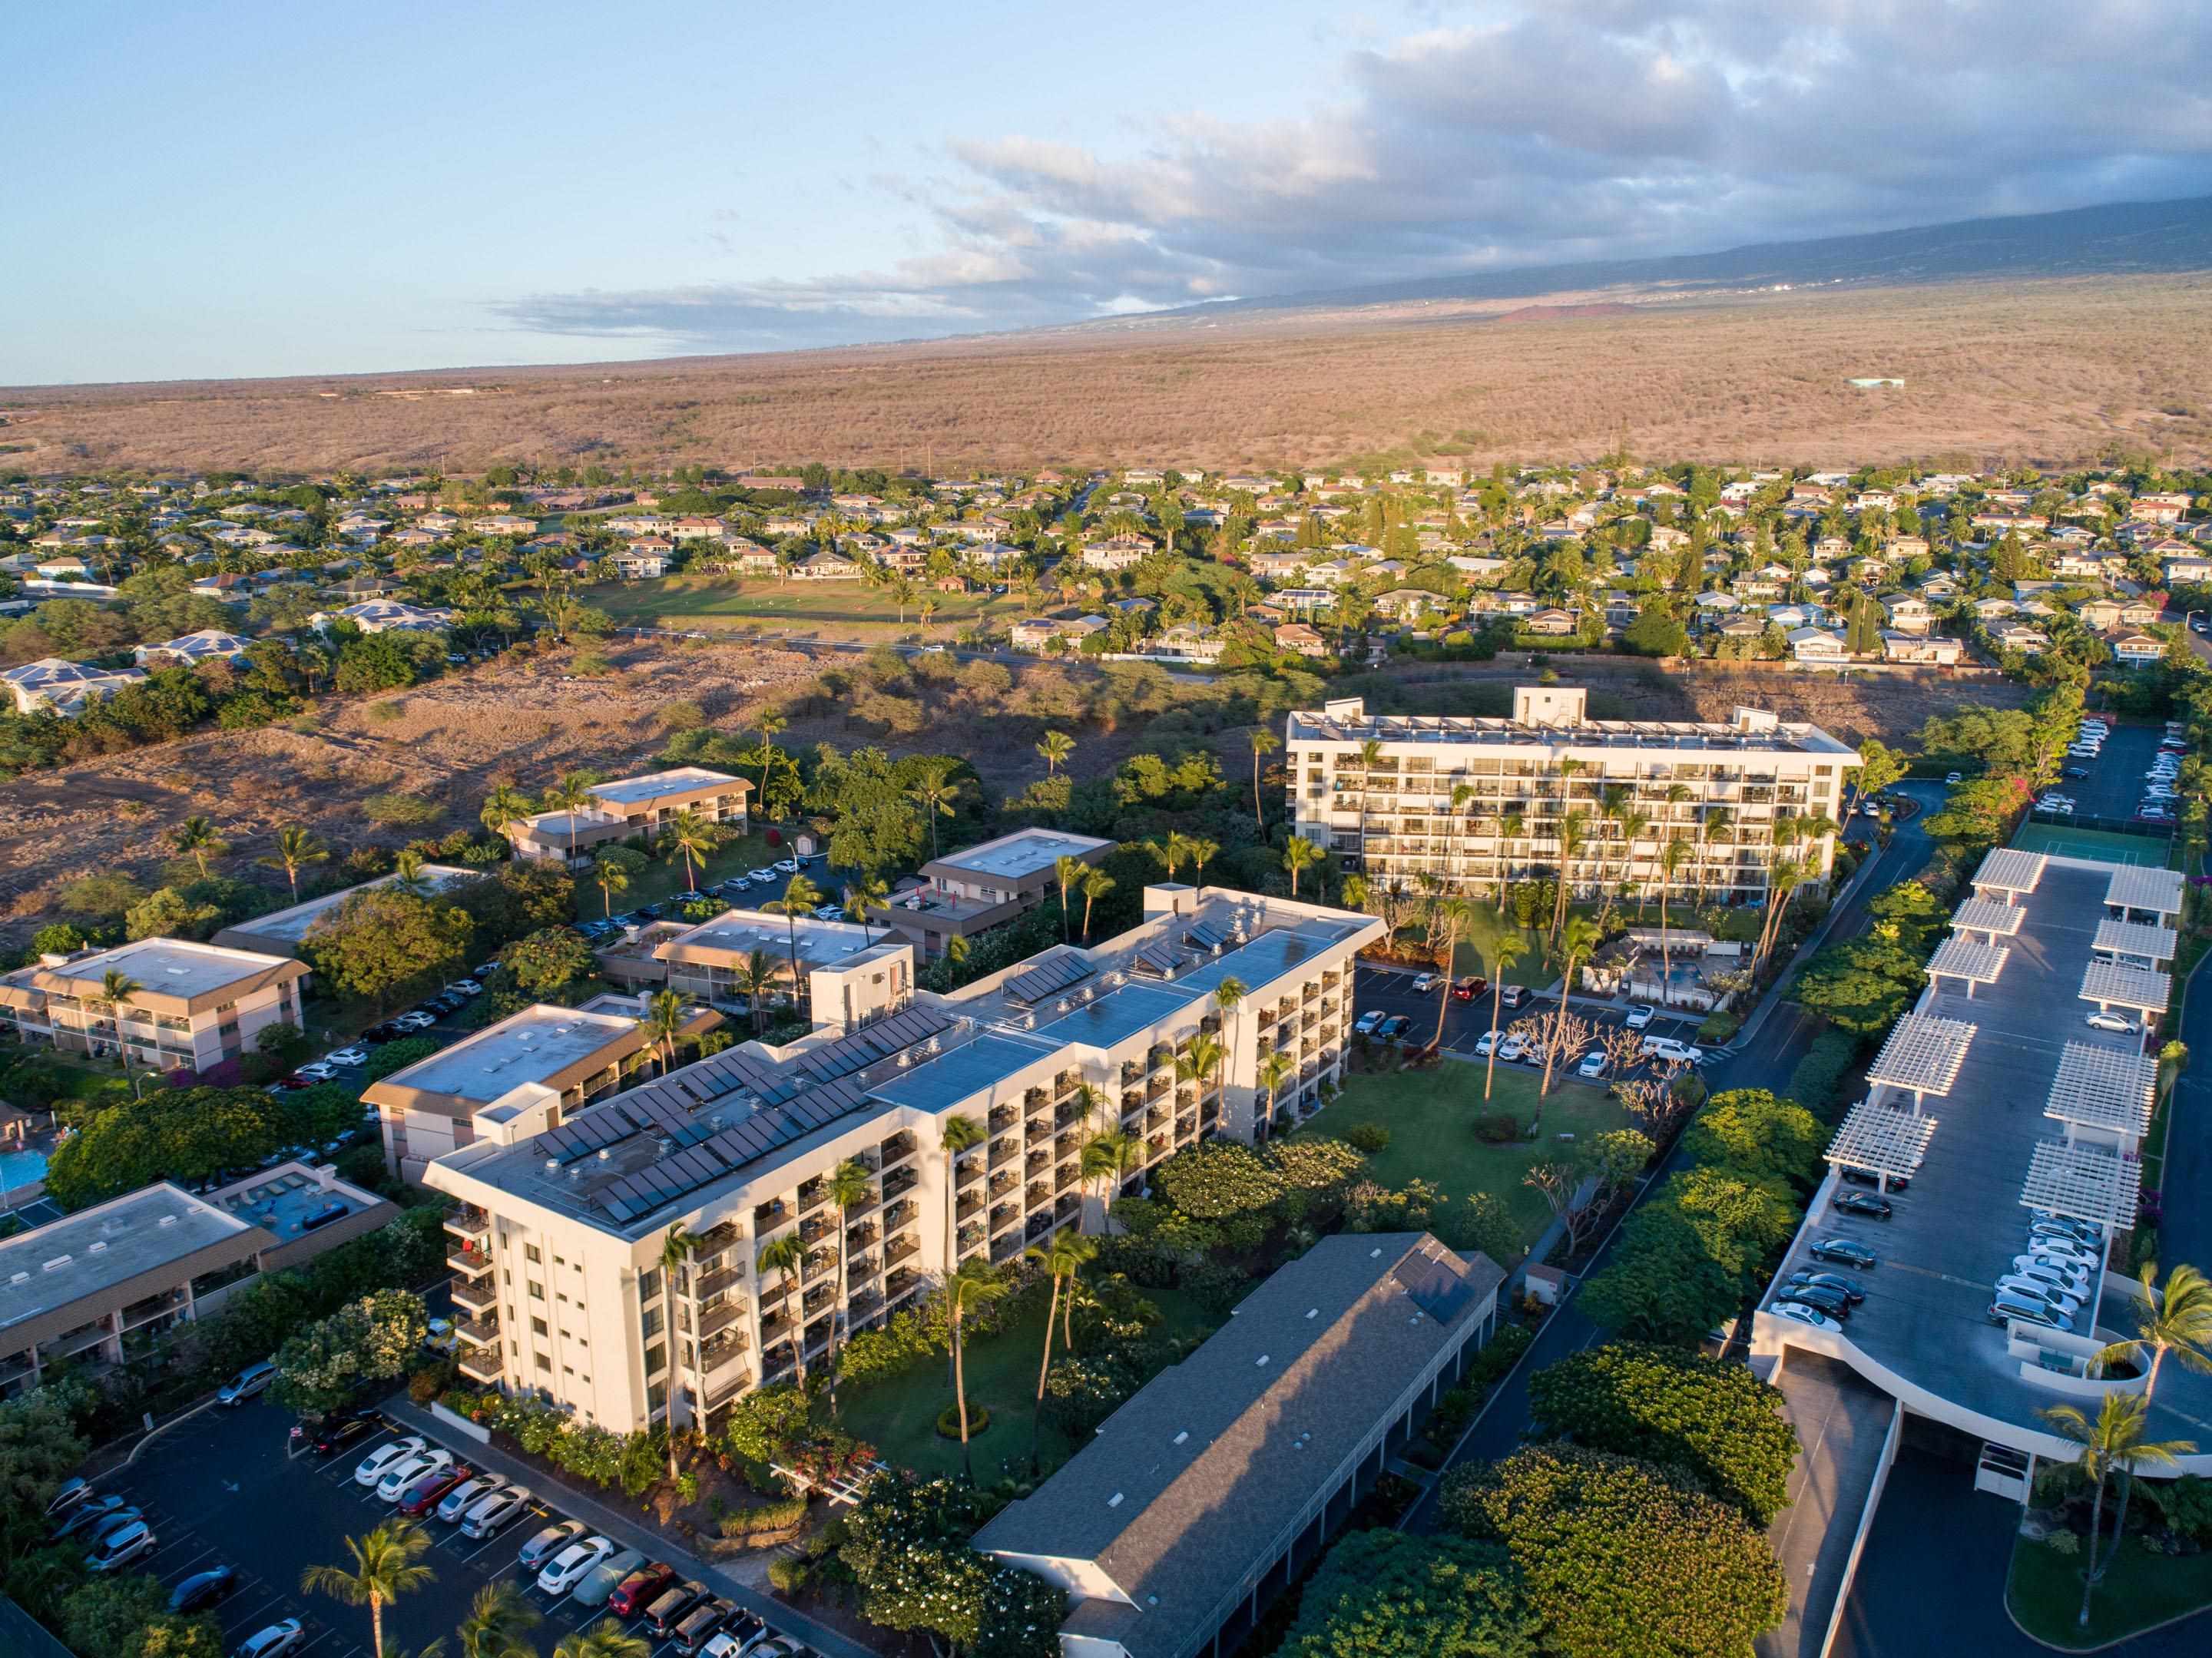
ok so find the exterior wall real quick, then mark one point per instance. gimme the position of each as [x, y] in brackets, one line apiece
[159, 1041]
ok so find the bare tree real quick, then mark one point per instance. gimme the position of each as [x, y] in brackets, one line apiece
[1554, 1041]
[1655, 1101]
[1559, 1180]
[1623, 1047]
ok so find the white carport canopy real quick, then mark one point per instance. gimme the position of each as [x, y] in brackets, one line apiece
[1922, 1056]
[2136, 942]
[2083, 1182]
[2136, 886]
[2008, 872]
[1983, 915]
[1966, 960]
[1882, 1141]
[2138, 989]
[2106, 1088]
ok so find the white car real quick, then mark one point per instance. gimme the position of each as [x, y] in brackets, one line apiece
[274, 1641]
[2022, 1283]
[414, 1021]
[2118, 1023]
[493, 1515]
[391, 1484]
[459, 1501]
[1425, 983]
[1365, 1023]
[788, 865]
[1798, 1313]
[1674, 1053]
[347, 1056]
[2067, 1280]
[548, 1543]
[371, 1467]
[463, 987]
[2075, 1268]
[1593, 1065]
[320, 1071]
[1640, 1016]
[570, 1566]
[1485, 1042]
[119, 1548]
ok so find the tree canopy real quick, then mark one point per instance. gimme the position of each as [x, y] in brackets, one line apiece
[1382, 1594]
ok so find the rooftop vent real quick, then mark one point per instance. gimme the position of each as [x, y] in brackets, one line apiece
[606, 1154]
[57, 1263]
[1182, 1437]
[1064, 1007]
[168, 1220]
[96, 1246]
[905, 1058]
[19, 1278]
[1313, 1312]
[1114, 1501]
[1263, 1359]
[552, 1165]
[936, 1045]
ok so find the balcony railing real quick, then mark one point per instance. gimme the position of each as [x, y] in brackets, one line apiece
[470, 1263]
[478, 1331]
[469, 1224]
[482, 1365]
[719, 1316]
[901, 1249]
[479, 1298]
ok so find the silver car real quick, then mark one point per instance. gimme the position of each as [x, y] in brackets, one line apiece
[492, 1515]
[547, 1543]
[464, 1496]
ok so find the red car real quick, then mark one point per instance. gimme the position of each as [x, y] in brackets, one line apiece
[1468, 989]
[419, 1498]
[640, 1588]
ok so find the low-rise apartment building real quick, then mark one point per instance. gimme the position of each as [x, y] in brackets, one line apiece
[846, 973]
[1480, 802]
[181, 1004]
[285, 931]
[971, 892]
[558, 1250]
[632, 805]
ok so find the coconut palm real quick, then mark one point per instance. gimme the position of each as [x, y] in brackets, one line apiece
[1096, 883]
[296, 849]
[1055, 749]
[1171, 851]
[934, 795]
[407, 874]
[1575, 944]
[1063, 1255]
[1264, 743]
[676, 1250]
[751, 978]
[119, 989]
[662, 1023]
[1504, 950]
[1572, 828]
[869, 896]
[1670, 863]
[786, 1259]
[1454, 919]
[958, 1134]
[387, 1564]
[851, 1184]
[2112, 1442]
[1069, 873]
[498, 1624]
[800, 897]
[610, 878]
[1371, 756]
[1200, 850]
[503, 808]
[1271, 1073]
[604, 1639]
[2178, 1321]
[691, 837]
[1299, 854]
[196, 839]
[972, 1285]
[1107, 1156]
[1197, 1065]
[1228, 995]
[768, 723]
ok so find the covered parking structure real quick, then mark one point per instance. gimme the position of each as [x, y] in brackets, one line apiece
[1985, 915]
[2137, 990]
[1922, 1057]
[2105, 1093]
[2135, 944]
[1969, 963]
[1883, 1141]
[2008, 875]
[2137, 891]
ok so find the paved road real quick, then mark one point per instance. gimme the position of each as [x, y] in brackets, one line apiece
[2186, 1235]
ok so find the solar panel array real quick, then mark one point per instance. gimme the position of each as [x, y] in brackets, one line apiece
[1208, 935]
[1159, 957]
[1053, 976]
[766, 1130]
[616, 1121]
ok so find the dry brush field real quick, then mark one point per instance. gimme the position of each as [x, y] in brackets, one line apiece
[2050, 369]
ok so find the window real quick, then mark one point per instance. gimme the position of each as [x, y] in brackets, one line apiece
[656, 1359]
[650, 1326]
[648, 1284]
[537, 1291]
[544, 1364]
[538, 1325]
[656, 1398]
[529, 1253]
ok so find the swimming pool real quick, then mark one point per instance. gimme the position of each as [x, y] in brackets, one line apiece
[21, 1169]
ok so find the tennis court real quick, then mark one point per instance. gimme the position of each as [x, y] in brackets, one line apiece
[2056, 842]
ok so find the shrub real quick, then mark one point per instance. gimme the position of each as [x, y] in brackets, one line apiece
[767, 1522]
[948, 1420]
[397, 809]
[1720, 1025]
[386, 713]
[788, 1576]
[1813, 1083]
[1497, 1128]
[1369, 1137]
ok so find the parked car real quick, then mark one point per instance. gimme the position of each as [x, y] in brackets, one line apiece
[118, 1549]
[88, 1515]
[1425, 982]
[640, 1588]
[73, 1491]
[1862, 1203]
[489, 1515]
[787, 866]
[1674, 1053]
[426, 1491]
[276, 1641]
[1798, 1313]
[1848, 1288]
[1394, 1029]
[1837, 1307]
[1485, 1042]
[1953, 777]
[830, 913]
[347, 1056]
[1513, 995]
[2020, 1309]
[1846, 1252]
[672, 1605]
[371, 1468]
[567, 1569]
[1639, 1016]
[602, 1580]
[1868, 1177]
[2118, 1023]
[1593, 1065]
[2075, 773]
[319, 1071]
[248, 1384]
[702, 1623]
[1512, 1047]
[409, 1023]
[741, 1636]
[544, 1545]
[465, 1496]
[1470, 987]
[1365, 1023]
[203, 1589]
[2017, 1283]
[338, 1428]
[391, 1484]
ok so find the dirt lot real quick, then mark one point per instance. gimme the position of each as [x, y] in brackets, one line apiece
[2050, 369]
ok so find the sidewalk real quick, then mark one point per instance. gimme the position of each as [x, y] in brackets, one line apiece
[596, 1513]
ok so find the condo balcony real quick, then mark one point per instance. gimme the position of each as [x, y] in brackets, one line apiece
[471, 1224]
[470, 1262]
[478, 1331]
[902, 1248]
[898, 1182]
[898, 1148]
[479, 1297]
[482, 1365]
[719, 1316]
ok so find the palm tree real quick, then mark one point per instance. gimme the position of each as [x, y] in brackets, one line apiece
[1273, 1071]
[851, 1184]
[1670, 863]
[752, 978]
[1299, 854]
[117, 989]
[604, 1639]
[958, 1134]
[387, 1564]
[2179, 1322]
[1069, 873]
[2112, 1442]
[935, 794]
[869, 896]
[786, 1259]
[296, 848]
[503, 808]
[1096, 883]
[498, 1624]
[1200, 851]
[1194, 1067]
[971, 1284]
[676, 1249]
[1454, 919]
[1575, 944]
[691, 837]
[612, 877]
[1228, 995]
[1055, 749]
[1370, 756]
[1171, 851]
[407, 875]
[1572, 827]
[1062, 1255]
[662, 1023]
[1264, 743]
[768, 722]
[1719, 826]
[1505, 948]
[196, 839]
[800, 897]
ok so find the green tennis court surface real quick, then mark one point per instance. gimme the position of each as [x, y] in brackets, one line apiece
[2056, 842]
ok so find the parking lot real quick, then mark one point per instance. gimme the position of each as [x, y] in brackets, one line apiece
[223, 1488]
[1390, 990]
[2114, 785]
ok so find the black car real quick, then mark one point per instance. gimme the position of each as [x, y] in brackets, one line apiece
[1848, 1251]
[2076, 772]
[673, 1606]
[385, 1032]
[338, 1428]
[203, 1589]
[1849, 1289]
[1864, 1203]
[1837, 1307]
[1392, 1028]
[1868, 1177]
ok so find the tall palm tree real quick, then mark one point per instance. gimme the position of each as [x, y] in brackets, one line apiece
[498, 1624]
[1455, 919]
[751, 978]
[2112, 1442]
[934, 796]
[1228, 995]
[851, 1184]
[610, 878]
[768, 723]
[691, 837]
[1271, 1073]
[1107, 1156]
[1512, 828]
[1504, 950]
[1069, 873]
[1634, 826]
[1200, 849]
[972, 1285]
[196, 839]
[1719, 826]
[957, 1135]
[675, 1251]
[868, 896]
[1572, 828]
[119, 989]
[1264, 743]
[1195, 1065]
[1096, 883]
[662, 1023]
[1370, 756]
[786, 1259]
[1575, 944]
[1062, 1255]
[503, 808]
[604, 1639]
[296, 848]
[1171, 851]
[1299, 854]
[1054, 750]
[1670, 864]
[387, 1564]
[2179, 1322]
[800, 897]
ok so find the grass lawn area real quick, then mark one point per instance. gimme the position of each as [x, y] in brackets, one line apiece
[1430, 1116]
[727, 601]
[2141, 1589]
[661, 879]
[1537, 971]
[2057, 840]
[898, 1414]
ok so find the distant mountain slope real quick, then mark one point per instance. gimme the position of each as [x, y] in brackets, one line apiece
[2118, 239]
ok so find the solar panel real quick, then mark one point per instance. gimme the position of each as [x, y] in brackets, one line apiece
[1159, 958]
[1048, 979]
[1206, 934]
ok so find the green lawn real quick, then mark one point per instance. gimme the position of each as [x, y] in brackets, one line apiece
[725, 601]
[661, 879]
[1429, 1114]
[2141, 1589]
[898, 1414]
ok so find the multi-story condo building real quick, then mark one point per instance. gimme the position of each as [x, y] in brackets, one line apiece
[1476, 802]
[558, 1248]
[632, 805]
[188, 1005]
[843, 973]
[971, 892]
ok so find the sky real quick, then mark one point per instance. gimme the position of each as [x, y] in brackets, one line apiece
[260, 189]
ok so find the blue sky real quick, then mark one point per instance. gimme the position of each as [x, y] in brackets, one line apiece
[267, 190]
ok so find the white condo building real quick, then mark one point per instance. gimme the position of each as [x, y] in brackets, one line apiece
[1479, 802]
[559, 1248]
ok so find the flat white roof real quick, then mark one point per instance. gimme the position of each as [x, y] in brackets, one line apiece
[651, 785]
[527, 1047]
[2138, 987]
[169, 967]
[2008, 869]
[2153, 943]
[52, 1265]
[1964, 958]
[293, 923]
[1880, 1139]
[2083, 1182]
[1023, 854]
[2134, 886]
[1924, 1053]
